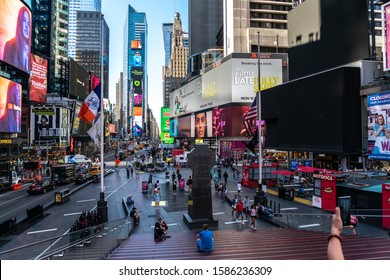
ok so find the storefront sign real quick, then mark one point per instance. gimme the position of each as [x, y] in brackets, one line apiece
[5, 141]
[323, 177]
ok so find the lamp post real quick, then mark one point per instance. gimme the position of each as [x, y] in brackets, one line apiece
[260, 184]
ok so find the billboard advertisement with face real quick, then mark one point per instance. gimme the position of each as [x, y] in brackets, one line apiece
[10, 106]
[234, 80]
[201, 124]
[15, 34]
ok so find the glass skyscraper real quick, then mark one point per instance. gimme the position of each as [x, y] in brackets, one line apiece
[74, 6]
[167, 29]
[135, 33]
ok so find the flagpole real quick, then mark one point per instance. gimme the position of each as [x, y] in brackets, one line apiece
[260, 185]
[102, 203]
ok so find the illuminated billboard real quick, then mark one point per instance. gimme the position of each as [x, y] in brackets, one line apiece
[165, 126]
[137, 74]
[10, 106]
[15, 34]
[235, 80]
[137, 99]
[136, 44]
[228, 121]
[378, 107]
[137, 60]
[138, 111]
[386, 36]
[38, 79]
[201, 124]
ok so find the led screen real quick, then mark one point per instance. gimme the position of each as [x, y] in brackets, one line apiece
[137, 99]
[201, 124]
[228, 121]
[173, 127]
[184, 127]
[15, 34]
[38, 79]
[78, 81]
[10, 106]
[378, 106]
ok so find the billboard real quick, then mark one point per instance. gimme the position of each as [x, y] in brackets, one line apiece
[38, 79]
[137, 74]
[228, 121]
[202, 124]
[138, 111]
[137, 99]
[137, 60]
[78, 80]
[234, 80]
[111, 128]
[15, 34]
[184, 127]
[386, 36]
[136, 44]
[173, 127]
[10, 106]
[165, 126]
[378, 107]
[49, 125]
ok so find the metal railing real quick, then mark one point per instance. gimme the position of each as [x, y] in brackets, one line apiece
[91, 243]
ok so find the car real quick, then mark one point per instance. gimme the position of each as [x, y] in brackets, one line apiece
[94, 170]
[78, 159]
[150, 167]
[169, 158]
[160, 167]
[42, 186]
[83, 177]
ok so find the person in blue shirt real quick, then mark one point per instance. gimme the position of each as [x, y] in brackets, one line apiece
[379, 126]
[205, 239]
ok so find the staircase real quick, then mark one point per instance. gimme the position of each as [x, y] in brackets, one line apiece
[267, 244]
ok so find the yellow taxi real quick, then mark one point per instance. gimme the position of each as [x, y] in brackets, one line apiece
[94, 170]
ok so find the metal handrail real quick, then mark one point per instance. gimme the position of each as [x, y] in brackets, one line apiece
[114, 231]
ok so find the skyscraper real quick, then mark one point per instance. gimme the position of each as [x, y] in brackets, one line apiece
[205, 19]
[90, 42]
[176, 70]
[74, 6]
[167, 29]
[50, 38]
[135, 84]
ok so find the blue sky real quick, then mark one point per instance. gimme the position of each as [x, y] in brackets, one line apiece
[157, 12]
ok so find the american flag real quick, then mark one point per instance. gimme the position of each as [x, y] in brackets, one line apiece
[250, 118]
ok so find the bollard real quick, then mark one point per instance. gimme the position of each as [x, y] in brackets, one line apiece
[274, 208]
[279, 209]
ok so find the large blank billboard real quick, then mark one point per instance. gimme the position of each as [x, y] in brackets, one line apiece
[321, 113]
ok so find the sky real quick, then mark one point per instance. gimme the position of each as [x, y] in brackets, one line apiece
[157, 12]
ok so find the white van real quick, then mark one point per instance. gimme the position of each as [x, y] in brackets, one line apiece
[78, 159]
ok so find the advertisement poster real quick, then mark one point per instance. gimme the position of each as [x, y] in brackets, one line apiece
[202, 125]
[165, 126]
[38, 79]
[10, 106]
[184, 127]
[228, 121]
[378, 107]
[386, 35]
[15, 34]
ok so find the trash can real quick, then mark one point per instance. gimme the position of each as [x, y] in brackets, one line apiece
[289, 193]
[62, 196]
[281, 192]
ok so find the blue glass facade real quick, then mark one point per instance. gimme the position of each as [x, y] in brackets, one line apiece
[135, 29]
[167, 29]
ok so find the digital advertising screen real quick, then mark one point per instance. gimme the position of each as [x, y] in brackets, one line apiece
[137, 111]
[136, 44]
[15, 34]
[378, 106]
[10, 106]
[228, 121]
[184, 127]
[173, 127]
[137, 99]
[137, 74]
[46, 125]
[386, 35]
[137, 60]
[202, 124]
[38, 79]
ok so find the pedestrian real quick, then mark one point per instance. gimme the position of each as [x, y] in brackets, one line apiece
[234, 203]
[189, 184]
[225, 176]
[173, 176]
[239, 186]
[224, 191]
[205, 240]
[117, 162]
[179, 176]
[353, 224]
[247, 206]
[128, 172]
[174, 187]
[253, 216]
[240, 211]
[157, 198]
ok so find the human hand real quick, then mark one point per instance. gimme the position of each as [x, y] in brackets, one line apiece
[337, 223]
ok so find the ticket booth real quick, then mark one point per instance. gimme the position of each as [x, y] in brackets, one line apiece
[386, 206]
[250, 174]
[324, 195]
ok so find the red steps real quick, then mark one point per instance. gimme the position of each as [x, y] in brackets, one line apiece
[268, 244]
